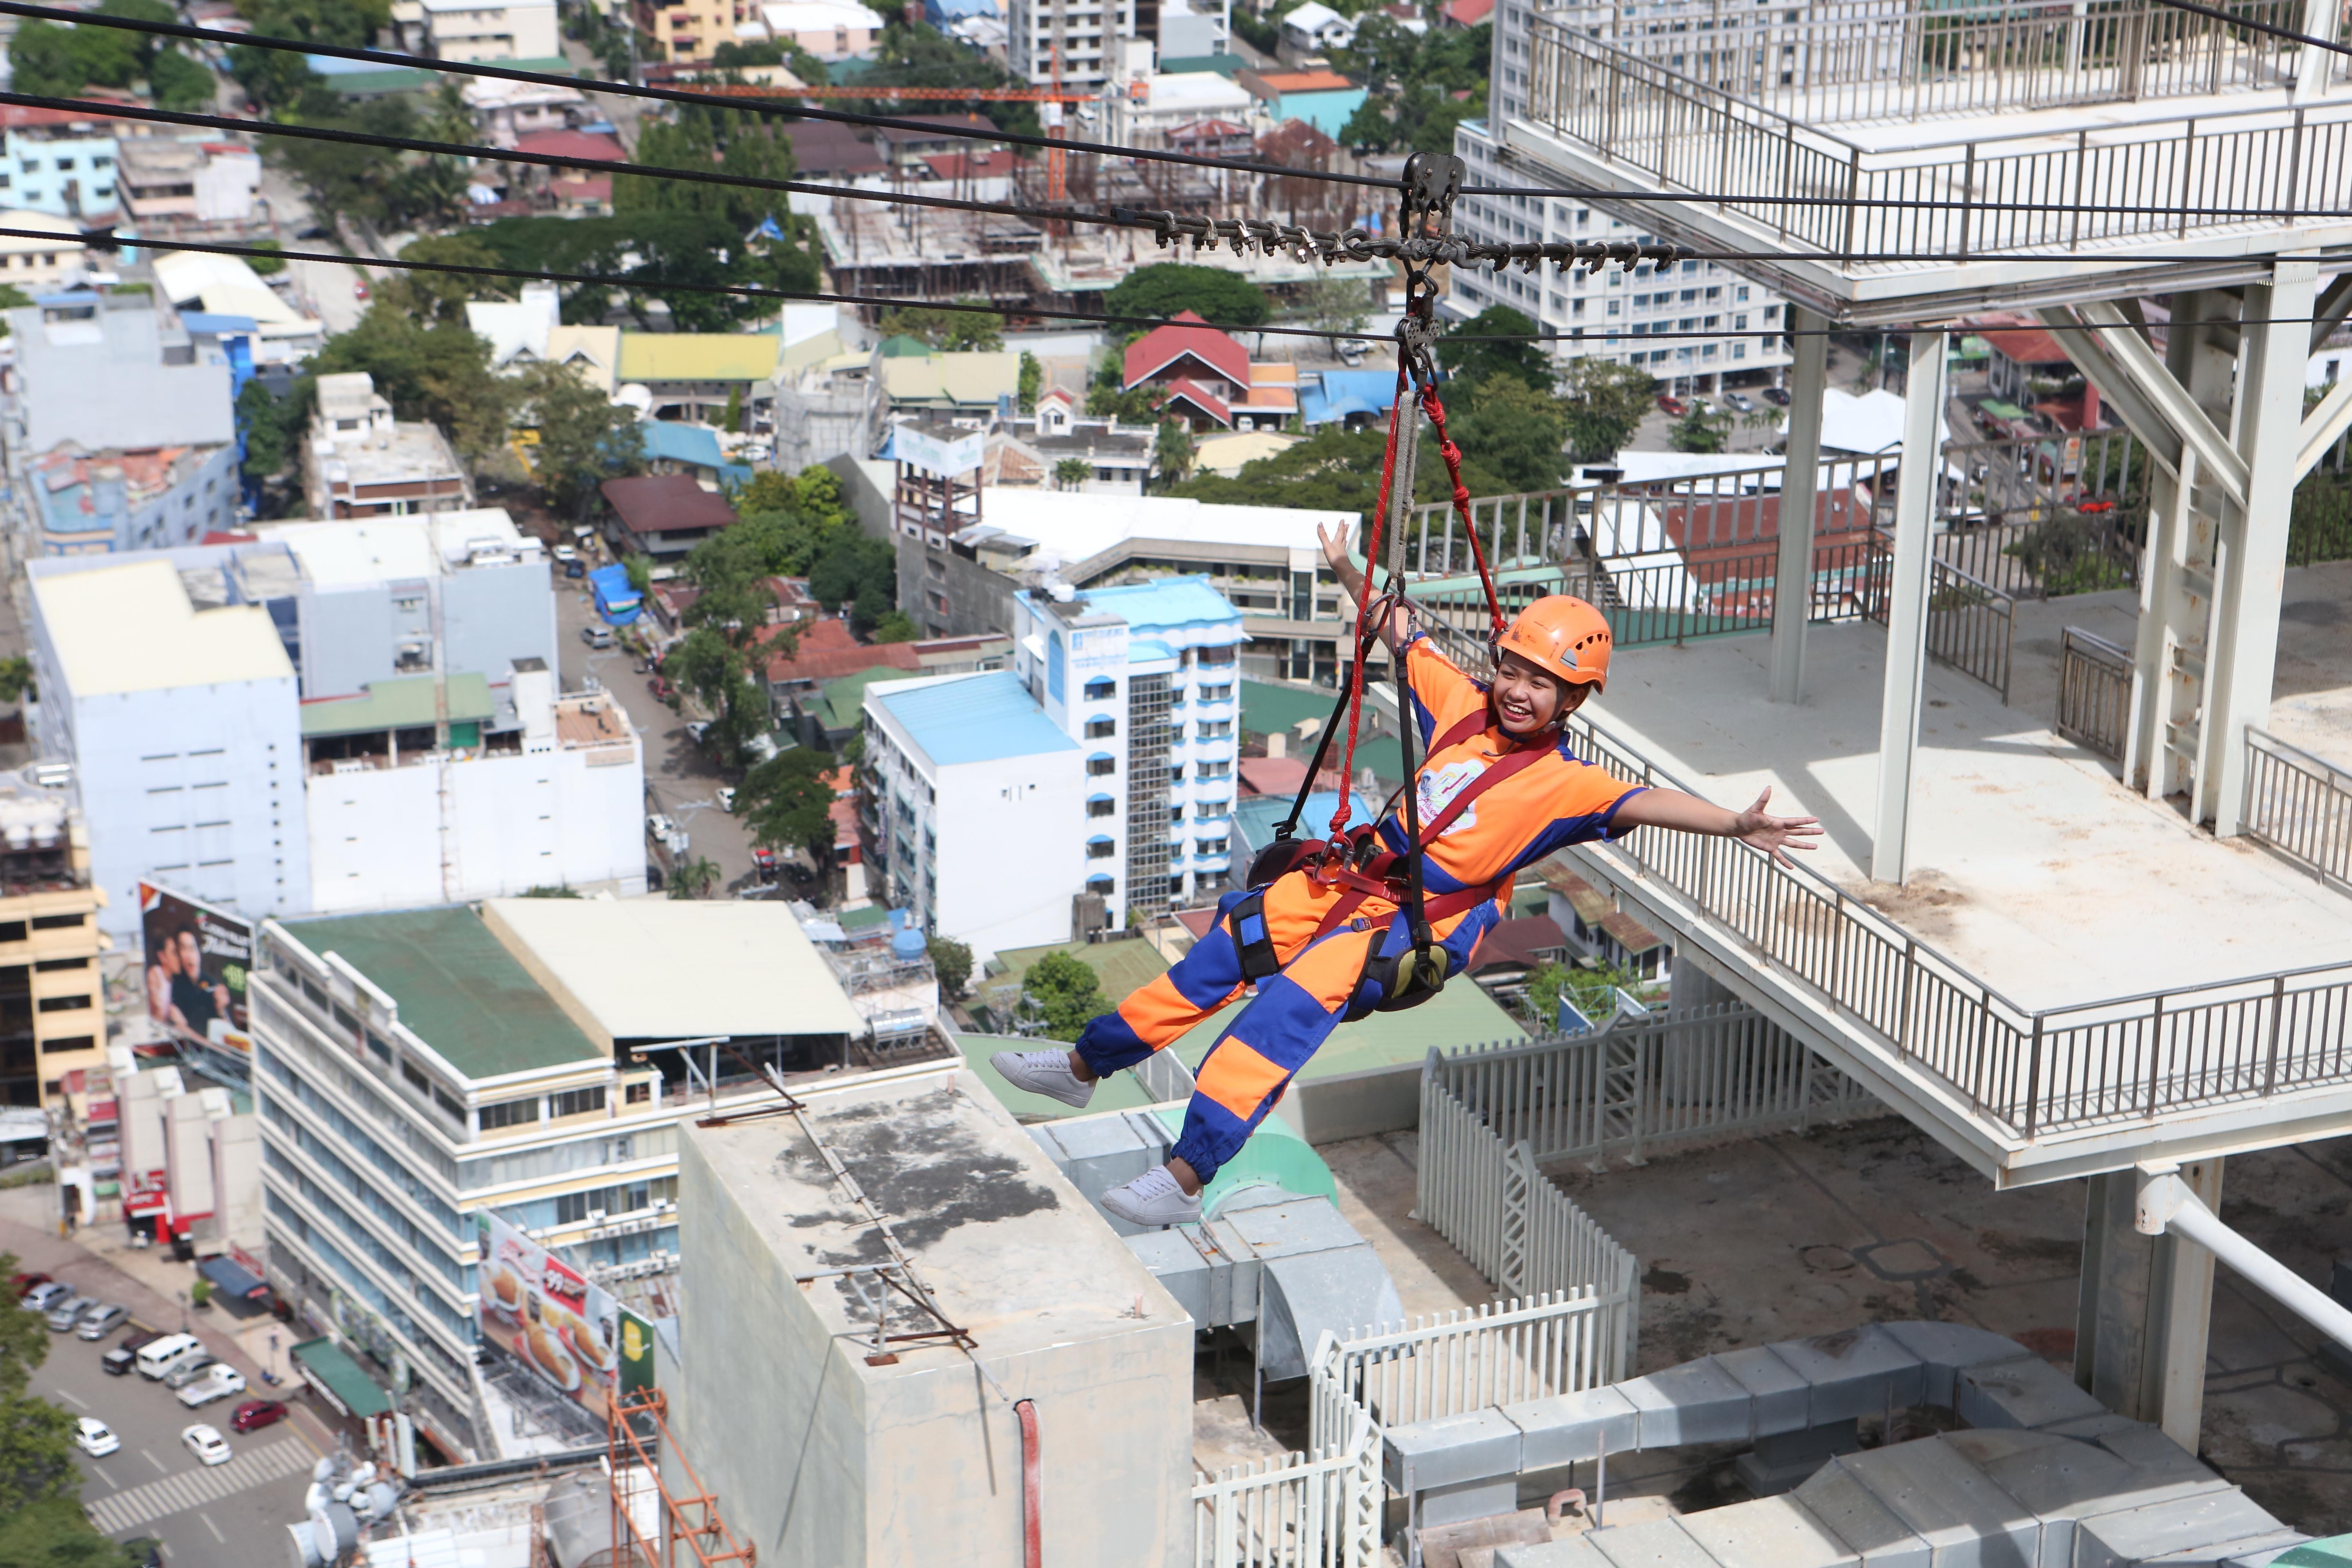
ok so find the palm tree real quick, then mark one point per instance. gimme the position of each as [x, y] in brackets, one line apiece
[694, 879]
[1072, 472]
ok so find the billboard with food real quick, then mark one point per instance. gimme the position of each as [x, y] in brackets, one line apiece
[540, 1310]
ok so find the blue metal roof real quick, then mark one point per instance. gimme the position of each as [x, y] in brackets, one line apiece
[1147, 650]
[198, 321]
[974, 718]
[1100, 838]
[1254, 817]
[1102, 757]
[1346, 392]
[680, 443]
[1169, 602]
[1093, 798]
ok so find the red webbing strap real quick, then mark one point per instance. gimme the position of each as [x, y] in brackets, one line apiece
[1364, 604]
[1453, 456]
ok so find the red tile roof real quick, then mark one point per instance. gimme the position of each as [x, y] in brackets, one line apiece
[825, 650]
[2019, 338]
[1163, 347]
[1304, 81]
[1468, 12]
[665, 503]
[1520, 944]
[1202, 398]
[992, 164]
[593, 145]
[1279, 776]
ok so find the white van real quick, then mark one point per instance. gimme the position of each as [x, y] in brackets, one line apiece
[158, 1359]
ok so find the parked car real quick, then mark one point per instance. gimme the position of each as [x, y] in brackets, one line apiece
[166, 1353]
[1351, 353]
[1741, 401]
[575, 568]
[23, 1283]
[94, 1437]
[217, 1381]
[41, 1297]
[564, 552]
[697, 729]
[763, 863]
[1776, 396]
[1673, 405]
[659, 685]
[206, 1443]
[124, 1356]
[197, 1366]
[360, 290]
[659, 827]
[596, 637]
[255, 1414]
[725, 795]
[69, 1311]
[100, 1322]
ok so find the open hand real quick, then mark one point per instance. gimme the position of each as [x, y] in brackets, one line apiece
[1776, 834]
[1335, 549]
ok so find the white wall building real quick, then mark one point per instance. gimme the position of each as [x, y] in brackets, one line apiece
[415, 1070]
[1100, 767]
[492, 29]
[182, 726]
[558, 801]
[1088, 33]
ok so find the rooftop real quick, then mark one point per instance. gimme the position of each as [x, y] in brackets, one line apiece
[958, 718]
[1069, 528]
[693, 969]
[403, 702]
[458, 988]
[411, 451]
[361, 552]
[1167, 601]
[666, 503]
[699, 356]
[132, 628]
[1188, 334]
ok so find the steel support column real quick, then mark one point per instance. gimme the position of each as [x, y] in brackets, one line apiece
[2250, 579]
[1906, 614]
[2146, 1307]
[1792, 580]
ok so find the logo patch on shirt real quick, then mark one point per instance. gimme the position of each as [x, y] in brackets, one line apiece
[1440, 786]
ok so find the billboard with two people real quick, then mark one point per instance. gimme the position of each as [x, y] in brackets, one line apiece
[197, 959]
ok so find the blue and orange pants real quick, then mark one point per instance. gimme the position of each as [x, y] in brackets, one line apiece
[1252, 1062]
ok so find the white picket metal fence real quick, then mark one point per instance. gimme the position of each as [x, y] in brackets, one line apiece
[1642, 1083]
[1320, 1508]
[1450, 1363]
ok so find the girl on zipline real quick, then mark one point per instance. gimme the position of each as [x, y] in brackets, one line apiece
[1499, 789]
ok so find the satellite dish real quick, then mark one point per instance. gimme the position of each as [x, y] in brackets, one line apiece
[637, 396]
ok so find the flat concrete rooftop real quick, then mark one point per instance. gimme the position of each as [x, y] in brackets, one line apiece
[2033, 866]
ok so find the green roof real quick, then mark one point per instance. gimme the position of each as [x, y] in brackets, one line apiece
[1226, 65]
[329, 1368]
[845, 700]
[901, 346]
[1118, 1092]
[459, 990]
[411, 79]
[1267, 708]
[859, 919]
[404, 702]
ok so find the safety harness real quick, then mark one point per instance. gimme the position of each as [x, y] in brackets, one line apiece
[1355, 858]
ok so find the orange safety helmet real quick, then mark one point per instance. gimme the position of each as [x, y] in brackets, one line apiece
[1565, 636]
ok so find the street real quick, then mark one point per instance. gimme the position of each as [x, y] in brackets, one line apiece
[229, 1516]
[680, 780]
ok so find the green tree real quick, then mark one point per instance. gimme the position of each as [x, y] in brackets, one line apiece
[1071, 473]
[52, 59]
[897, 627]
[788, 803]
[440, 298]
[179, 83]
[1062, 993]
[1172, 452]
[951, 962]
[1511, 435]
[1218, 296]
[709, 665]
[1423, 85]
[694, 879]
[949, 330]
[1107, 395]
[922, 55]
[861, 572]
[1032, 381]
[56, 1533]
[1605, 403]
[266, 266]
[1523, 356]
[1333, 304]
[814, 495]
[11, 298]
[36, 1437]
[440, 372]
[272, 426]
[732, 56]
[364, 181]
[16, 677]
[1698, 431]
[640, 568]
[274, 79]
[584, 438]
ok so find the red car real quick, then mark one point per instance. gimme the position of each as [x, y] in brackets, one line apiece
[360, 290]
[255, 1414]
[20, 1283]
[1673, 405]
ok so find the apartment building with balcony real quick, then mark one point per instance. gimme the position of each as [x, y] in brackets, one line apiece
[52, 1004]
[493, 29]
[414, 1070]
[1075, 42]
[57, 161]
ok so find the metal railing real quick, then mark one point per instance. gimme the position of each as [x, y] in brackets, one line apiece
[1970, 624]
[1319, 1509]
[1448, 1363]
[1525, 1235]
[2132, 1059]
[1991, 192]
[2094, 680]
[2300, 805]
[1641, 1085]
[1866, 60]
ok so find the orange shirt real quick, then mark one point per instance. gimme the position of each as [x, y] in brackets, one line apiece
[1558, 801]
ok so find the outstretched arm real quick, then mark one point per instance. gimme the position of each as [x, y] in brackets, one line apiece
[1688, 814]
[1352, 580]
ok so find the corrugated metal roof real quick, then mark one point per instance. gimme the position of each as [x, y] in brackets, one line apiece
[699, 356]
[404, 702]
[696, 443]
[1166, 602]
[979, 717]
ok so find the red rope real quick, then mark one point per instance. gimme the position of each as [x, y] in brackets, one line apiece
[1453, 456]
[1364, 604]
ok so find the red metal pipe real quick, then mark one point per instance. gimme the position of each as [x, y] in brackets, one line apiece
[1032, 1485]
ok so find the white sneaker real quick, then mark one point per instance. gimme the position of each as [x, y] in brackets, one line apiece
[1153, 1198]
[1044, 1072]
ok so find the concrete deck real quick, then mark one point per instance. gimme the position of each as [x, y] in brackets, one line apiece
[2033, 866]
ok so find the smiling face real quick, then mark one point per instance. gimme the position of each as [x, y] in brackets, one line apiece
[1527, 697]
